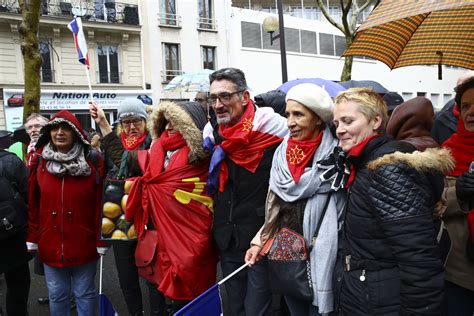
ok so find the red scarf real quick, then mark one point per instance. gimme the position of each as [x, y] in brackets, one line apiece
[175, 201]
[244, 146]
[355, 152]
[164, 144]
[132, 142]
[461, 145]
[299, 153]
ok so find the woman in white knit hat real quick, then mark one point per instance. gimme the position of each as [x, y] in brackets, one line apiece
[297, 196]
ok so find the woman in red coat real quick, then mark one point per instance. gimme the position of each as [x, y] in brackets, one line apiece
[169, 201]
[64, 207]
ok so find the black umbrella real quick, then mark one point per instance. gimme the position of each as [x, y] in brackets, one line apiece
[377, 87]
[20, 135]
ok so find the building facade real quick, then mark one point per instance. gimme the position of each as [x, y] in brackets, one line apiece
[234, 37]
[113, 35]
[136, 47]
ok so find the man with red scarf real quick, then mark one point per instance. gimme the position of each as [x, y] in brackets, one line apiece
[242, 145]
[131, 135]
[459, 194]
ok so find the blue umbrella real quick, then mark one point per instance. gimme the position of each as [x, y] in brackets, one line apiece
[331, 87]
[377, 87]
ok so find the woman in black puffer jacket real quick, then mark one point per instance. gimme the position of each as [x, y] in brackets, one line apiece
[388, 262]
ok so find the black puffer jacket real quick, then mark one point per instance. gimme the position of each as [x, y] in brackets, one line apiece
[389, 233]
[14, 175]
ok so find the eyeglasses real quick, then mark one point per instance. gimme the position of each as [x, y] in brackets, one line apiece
[223, 97]
[34, 126]
[136, 122]
[200, 100]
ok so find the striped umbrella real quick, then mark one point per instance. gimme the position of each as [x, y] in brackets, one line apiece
[418, 32]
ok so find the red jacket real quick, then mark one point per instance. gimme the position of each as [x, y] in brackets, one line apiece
[64, 212]
[64, 215]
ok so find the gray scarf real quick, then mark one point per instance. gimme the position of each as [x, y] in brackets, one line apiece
[312, 188]
[73, 163]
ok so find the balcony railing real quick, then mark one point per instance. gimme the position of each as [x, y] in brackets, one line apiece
[168, 75]
[112, 12]
[169, 19]
[208, 24]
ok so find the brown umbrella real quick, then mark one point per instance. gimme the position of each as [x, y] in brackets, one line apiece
[418, 32]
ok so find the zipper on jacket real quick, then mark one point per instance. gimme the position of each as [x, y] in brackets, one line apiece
[62, 220]
[232, 195]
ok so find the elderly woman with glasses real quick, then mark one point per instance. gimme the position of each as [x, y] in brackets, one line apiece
[131, 135]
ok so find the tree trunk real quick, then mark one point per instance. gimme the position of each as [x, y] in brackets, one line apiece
[347, 70]
[31, 56]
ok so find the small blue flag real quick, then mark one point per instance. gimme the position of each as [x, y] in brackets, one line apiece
[208, 303]
[105, 306]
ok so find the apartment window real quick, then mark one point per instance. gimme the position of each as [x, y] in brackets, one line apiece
[292, 40]
[205, 14]
[326, 44]
[335, 11]
[296, 12]
[312, 13]
[435, 100]
[46, 61]
[251, 34]
[208, 57]
[308, 42]
[340, 44]
[168, 12]
[107, 56]
[332, 45]
[269, 9]
[172, 64]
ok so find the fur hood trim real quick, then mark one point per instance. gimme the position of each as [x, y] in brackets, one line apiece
[182, 121]
[432, 159]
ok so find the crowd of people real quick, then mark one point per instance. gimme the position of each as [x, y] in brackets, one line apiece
[377, 209]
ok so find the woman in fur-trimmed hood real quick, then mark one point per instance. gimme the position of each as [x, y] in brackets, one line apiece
[185, 118]
[170, 197]
[388, 262]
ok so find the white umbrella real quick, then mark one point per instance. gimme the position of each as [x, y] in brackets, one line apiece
[196, 81]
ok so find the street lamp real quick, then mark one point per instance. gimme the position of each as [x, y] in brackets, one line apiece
[270, 25]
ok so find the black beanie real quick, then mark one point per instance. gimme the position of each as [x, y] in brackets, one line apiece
[196, 112]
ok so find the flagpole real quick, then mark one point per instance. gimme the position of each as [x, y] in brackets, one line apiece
[89, 82]
[233, 273]
[100, 274]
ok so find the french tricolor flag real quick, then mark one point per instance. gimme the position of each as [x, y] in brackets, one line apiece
[80, 40]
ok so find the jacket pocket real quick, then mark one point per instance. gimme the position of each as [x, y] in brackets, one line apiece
[384, 290]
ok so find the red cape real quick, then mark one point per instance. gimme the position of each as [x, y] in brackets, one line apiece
[181, 212]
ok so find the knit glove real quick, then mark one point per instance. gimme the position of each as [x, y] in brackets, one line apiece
[465, 187]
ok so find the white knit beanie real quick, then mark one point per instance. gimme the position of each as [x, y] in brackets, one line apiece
[131, 107]
[314, 98]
